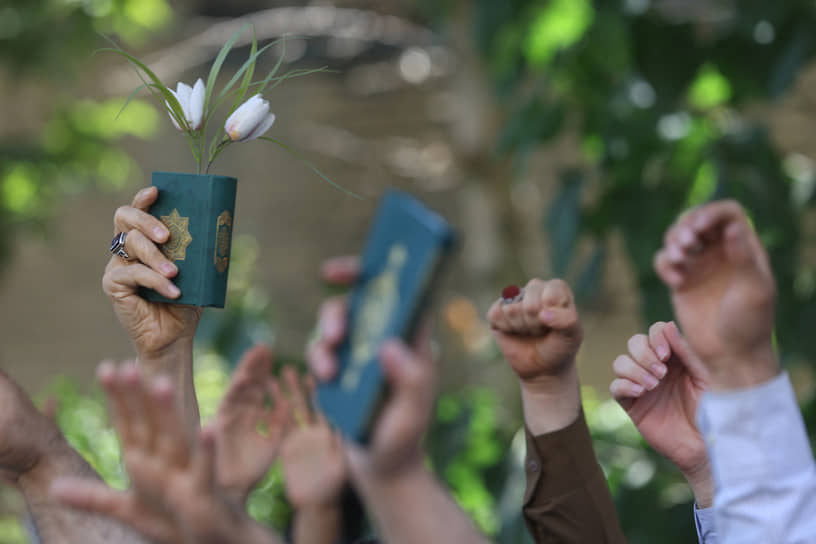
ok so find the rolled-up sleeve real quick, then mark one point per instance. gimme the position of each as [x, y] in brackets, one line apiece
[567, 498]
[765, 478]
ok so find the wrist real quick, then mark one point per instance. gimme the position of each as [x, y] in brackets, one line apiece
[702, 484]
[366, 476]
[551, 402]
[742, 372]
[170, 359]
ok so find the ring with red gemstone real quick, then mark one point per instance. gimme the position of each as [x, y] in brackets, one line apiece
[511, 294]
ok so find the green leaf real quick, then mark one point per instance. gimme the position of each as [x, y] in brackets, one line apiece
[157, 86]
[248, 75]
[219, 61]
[310, 165]
[247, 69]
[274, 71]
[131, 97]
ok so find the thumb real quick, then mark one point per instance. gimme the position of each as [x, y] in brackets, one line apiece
[683, 351]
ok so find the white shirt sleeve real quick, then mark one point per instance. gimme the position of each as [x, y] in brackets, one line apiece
[704, 522]
[764, 473]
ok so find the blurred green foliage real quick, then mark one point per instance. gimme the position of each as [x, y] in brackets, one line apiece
[71, 144]
[656, 93]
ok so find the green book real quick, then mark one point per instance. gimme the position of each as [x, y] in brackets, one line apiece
[199, 212]
[407, 246]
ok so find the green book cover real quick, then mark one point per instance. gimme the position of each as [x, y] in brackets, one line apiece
[199, 212]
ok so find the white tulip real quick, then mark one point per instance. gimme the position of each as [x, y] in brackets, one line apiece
[191, 100]
[250, 120]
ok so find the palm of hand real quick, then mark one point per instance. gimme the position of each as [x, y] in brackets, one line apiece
[314, 467]
[665, 417]
[723, 311]
[245, 453]
[533, 356]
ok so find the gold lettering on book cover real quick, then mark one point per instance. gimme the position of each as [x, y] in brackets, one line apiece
[380, 298]
[175, 249]
[223, 239]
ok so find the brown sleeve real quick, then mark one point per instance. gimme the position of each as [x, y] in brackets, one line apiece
[567, 500]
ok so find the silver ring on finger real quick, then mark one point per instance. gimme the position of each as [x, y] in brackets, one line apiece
[117, 246]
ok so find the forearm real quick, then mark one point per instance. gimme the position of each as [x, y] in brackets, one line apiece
[318, 525]
[551, 403]
[433, 515]
[56, 523]
[176, 362]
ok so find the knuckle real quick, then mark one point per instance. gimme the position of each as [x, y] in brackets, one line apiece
[636, 342]
[657, 327]
[620, 364]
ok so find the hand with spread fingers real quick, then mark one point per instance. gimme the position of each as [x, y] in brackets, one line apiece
[250, 425]
[659, 384]
[723, 292]
[314, 468]
[539, 333]
[174, 495]
[155, 328]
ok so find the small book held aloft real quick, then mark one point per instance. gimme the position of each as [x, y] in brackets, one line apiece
[403, 256]
[198, 211]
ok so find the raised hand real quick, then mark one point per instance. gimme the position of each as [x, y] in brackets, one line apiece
[539, 336]
[723, 292]
[314, 467]
[250, 424]
[174, 497]
[659, 384]
[155, 328]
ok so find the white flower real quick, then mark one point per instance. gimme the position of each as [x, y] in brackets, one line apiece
[191, 100]
[250, 120]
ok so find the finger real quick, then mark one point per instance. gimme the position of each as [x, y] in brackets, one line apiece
[341, 270]
[408, 372]
[322, 360]
[92, 496]
[681, 349]
[125, 280]
[128, 218]
[171, 439]
[625, 391]
[643, 354]
[556, 293]
[247, 383]
[658, 342]
[279, 417]
[203, 465]
[133, 393]
[531, 306]
[145, 198]
[139, 248]
[710, 217]
[668, 271]
[300, 405]
[625, 367]
[108, 378]
[497, 318]
[559, 319]
[514, 315]
[333, 320]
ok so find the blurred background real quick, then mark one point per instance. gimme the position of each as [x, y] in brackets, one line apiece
[561, 137]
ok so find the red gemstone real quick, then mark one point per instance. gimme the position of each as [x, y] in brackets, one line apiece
[510, 292]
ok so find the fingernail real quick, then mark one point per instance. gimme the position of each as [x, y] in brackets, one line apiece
[173, 290]
[651, 382]
[161, 232]
[659, 370]
[637, 390]
[546, 315]
[662, 352]
[168, 268]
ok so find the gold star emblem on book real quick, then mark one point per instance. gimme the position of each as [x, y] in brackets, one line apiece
[175, 248]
